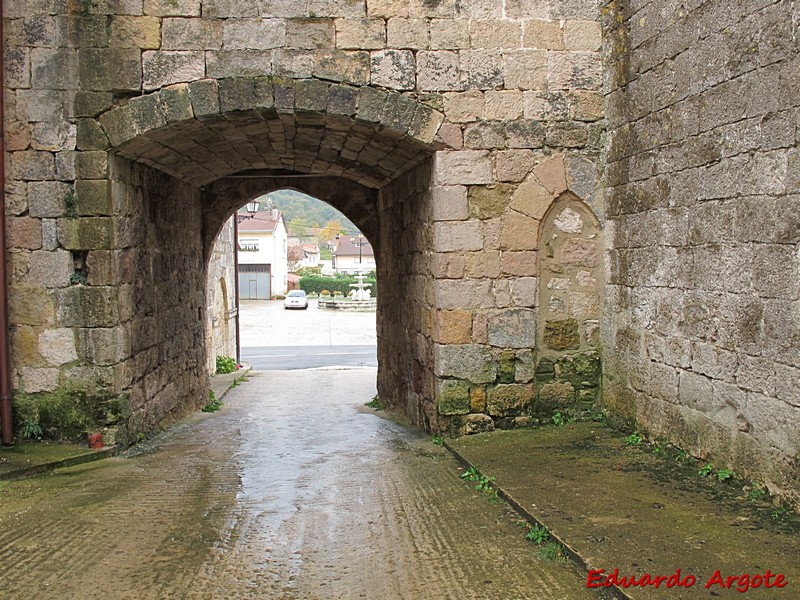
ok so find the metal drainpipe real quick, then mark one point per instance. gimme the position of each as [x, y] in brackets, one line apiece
[6, 426]
[236, 283]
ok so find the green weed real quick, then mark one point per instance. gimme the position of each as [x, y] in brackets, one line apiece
[438, 440]
[707, 469]
[226, 364]
[214, 404]
[756, 493]
[538, 534]
[558, 420]
[633, 439]
[31, 430]
[724, 474]
[552, 551]
[375, 403]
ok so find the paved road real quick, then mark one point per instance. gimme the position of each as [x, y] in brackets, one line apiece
[279, 358]
[266, 323]
[294, 490]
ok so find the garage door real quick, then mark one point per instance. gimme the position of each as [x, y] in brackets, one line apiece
[254, 282]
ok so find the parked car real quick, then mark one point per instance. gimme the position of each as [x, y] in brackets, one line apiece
[296, 299]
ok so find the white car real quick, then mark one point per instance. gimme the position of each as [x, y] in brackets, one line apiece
[296, 299]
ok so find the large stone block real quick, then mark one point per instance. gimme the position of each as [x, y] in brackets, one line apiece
[50, 269]
[191, 34]
[253, 34]
[489, 202]
[448, 265]
[525, 70]
[531, 198]
[238, 63]
[503, 105]
[485, 135]
[24, 232]
[360, 34]
[449, 34]
[510, 399]
[204, 95]
[53, 69]
[32, 165]
[466, 293]
[513, 328]
[449, 203]
[457, 236]
[29, 305]
[453, 327]
[395, 69]
[161, 68]
[562, 335]
[407, 33]
[484, 263]
[110, 69]
[86, 233]
[164, 8]
[135, 32]
[245, 93]
[482, 69]
[470, 362]
[525, 133]
[520, 232]
[310, 34]
[343, 65]
[555, 395]
[32, 380]
[464, 107]
[465, 167]
[524, 263]
[57, 346]
[452, 397]
[93, 197]
[88, 306]
[438, 70]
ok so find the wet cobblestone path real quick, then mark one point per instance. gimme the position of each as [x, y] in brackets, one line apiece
[292, 491]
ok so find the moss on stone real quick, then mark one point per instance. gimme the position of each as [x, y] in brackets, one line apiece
[453, 397]
[507, 367]
[71, 412]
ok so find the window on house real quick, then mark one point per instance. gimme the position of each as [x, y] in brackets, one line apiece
[248, 245]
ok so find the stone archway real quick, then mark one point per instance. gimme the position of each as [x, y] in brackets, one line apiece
[185, 158]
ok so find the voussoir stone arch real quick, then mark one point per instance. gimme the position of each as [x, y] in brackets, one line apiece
[208, 129]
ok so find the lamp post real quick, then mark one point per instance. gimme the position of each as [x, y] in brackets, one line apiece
[360, 243]
[252, 209]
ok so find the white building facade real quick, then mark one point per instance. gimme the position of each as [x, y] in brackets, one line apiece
[263, 256]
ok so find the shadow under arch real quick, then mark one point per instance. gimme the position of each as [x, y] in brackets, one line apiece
[178, 174]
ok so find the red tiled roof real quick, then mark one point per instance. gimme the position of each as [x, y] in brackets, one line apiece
[344, 247]
[266, 220]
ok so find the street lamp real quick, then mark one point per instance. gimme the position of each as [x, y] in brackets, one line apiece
[252, 209]
[360, 243]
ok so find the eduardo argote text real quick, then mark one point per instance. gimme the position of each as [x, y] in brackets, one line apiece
[597, 578]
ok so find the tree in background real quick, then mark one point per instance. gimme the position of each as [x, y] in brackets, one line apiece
[297, 227]
[330, 231]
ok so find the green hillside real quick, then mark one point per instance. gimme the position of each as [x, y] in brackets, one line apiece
[301, 210]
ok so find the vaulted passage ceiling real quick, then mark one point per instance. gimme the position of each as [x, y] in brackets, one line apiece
[202, 151]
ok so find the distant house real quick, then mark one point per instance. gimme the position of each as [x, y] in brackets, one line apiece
[302, 255]
[263, 256]
[353, 255]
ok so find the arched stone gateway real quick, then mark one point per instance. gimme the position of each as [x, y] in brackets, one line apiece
[461, 137]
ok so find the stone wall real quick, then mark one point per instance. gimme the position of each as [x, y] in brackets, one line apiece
[161, 296]
[702, 326]
[221, 308]
[357, 94]
[405, 301]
